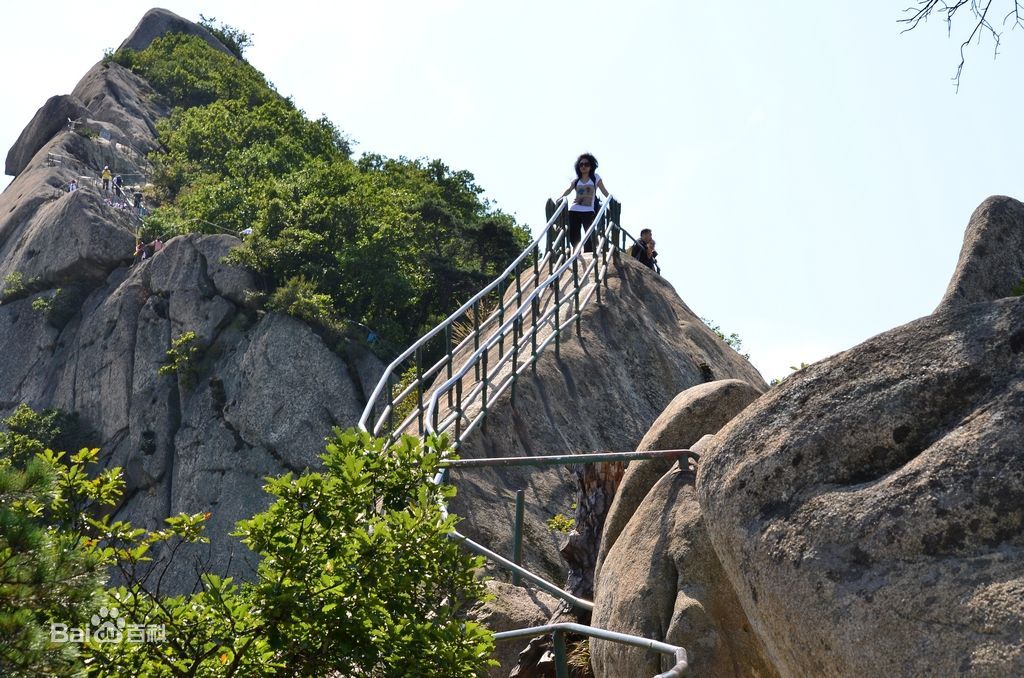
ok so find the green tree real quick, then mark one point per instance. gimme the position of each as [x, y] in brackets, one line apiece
[357, 575]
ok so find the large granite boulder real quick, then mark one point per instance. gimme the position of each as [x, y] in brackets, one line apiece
[991, 260]
[661, 579]
[694, 413]
[158, 22]
[50, 119]
[870, 510]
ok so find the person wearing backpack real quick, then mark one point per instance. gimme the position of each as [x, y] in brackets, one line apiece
[585, 204]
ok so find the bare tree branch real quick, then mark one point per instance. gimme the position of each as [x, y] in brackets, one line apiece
[981, 25]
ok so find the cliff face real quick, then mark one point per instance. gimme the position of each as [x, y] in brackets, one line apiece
[636, 351]
[267, 390]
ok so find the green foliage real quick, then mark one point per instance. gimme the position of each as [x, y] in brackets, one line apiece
[87, 132]
[775, 382]
[561, 523]
[15, 286]
[357, 575]
[60, 306]
[404, 407]
[732, 340]
[1018, 290]
[233, 38]
[394, 244]
[47, 571]
[298, 297]
[183, 358]
[29, 433]
[188, 72]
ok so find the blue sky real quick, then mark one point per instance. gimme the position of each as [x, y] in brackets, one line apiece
[807, 170]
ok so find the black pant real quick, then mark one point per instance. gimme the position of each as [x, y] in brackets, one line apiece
[579, 222]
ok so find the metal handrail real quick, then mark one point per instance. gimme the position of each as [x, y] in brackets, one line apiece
[558, 265]
[558, 632]
[515, 322]
[390, 371]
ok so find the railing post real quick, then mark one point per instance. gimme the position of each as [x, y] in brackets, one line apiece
[558, 323]
[517, 535]
[501, 319]
[483, 390]
[534, 305]
[476, 334]
[517, 333]
[458, 410]
[391, 408]
[561, 659]
[451, 357]
[576, 291]
[419, 387]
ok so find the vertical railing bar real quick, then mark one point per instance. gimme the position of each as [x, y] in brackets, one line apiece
[419, 387]
[558, 323]
[576, 292]
[451, 357]
[476, 335]
[561, 660]
[483, 390]
[517, 326]
[517, 535]
[458, 410]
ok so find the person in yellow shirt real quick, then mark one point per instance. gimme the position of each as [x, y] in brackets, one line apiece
[106, 178]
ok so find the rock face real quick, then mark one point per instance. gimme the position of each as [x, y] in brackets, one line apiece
[48, 120]
[663, 581]
[992, 258]
[694, 413]
[512, 608]
[261, 400]
[870, 510]
[159, 22]
[637, 351]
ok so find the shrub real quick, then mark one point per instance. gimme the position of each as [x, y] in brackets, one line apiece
[14, 286]
[183, 358]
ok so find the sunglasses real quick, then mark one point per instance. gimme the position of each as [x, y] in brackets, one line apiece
[584, 164]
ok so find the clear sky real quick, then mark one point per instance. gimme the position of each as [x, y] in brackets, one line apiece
[808, 171]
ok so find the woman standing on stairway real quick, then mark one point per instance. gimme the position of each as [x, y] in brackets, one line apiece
[584, 205]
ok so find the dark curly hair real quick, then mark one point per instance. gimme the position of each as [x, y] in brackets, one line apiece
[593, 165]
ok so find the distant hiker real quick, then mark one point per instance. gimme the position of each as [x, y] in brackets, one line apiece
[72, 186]
[643, 250]
[137, 201]
[105, 175]
[157, 244]
[118, 183]
[585, 203]
[140, 252]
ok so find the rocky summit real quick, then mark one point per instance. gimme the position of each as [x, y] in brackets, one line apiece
[863, 517]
